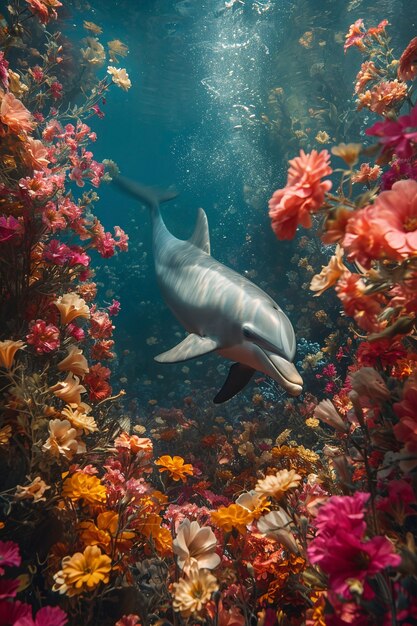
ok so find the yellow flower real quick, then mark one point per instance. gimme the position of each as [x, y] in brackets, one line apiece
[79, 418]
[34, 490]
[277, 485]
[69, 390]
[63, 439]
[83, 571]
[94, 53]
[117, 49]
[175, 466]
[8, 349]
[120, 77]
[85, 487]
[349, 152]
[322, 137]
[192, 593]
[74, 362]
[71, 306]
[93, 28]
[5, 434]
[150, 527]
[232, 516]
[105, 532]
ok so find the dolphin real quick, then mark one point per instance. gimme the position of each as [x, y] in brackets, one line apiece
[221, 310]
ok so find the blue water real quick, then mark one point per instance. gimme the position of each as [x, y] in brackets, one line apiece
[202, 74]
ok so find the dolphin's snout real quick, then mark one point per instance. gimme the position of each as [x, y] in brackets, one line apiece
[287, 374]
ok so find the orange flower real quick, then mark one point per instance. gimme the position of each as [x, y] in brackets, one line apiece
[367, 72]
[329, 274]
[36, 154]
[71, 306]
[34, 491]
[175, 466]
[407, 68]
[366, 174]
[151, 527]
[349, 152]
[134, 443]
[232, 516]
[383, 97]
[83, 571]
[74, 362]
[8, 349]
[69, 390]
[14, 114]
[84, 487]
[105, 533]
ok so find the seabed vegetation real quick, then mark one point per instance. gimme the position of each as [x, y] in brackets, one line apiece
[106, 520]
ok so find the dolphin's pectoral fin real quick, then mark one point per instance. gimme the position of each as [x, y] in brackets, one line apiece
[238, 377]
[200, 237]
[191, 347]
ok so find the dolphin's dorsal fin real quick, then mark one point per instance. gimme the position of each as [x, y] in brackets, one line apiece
[238, 377]
[200, 237]
[191, 347]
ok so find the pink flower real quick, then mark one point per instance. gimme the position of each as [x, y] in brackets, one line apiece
[44, 337]
[15, 115]
[114, 308]
[53, 218]
[364, 237]
[355, 35]
[101, 326]
[37, 74]
[56, 252]
[10, 228]
[9, 555]
[397, 136]
[16, 612]
[56, 90]
[397, 503]
[347, 512]
[129, 620]
[50, 616]
[362, 307]
[105, 245]
[406, 411]
[75, 331]
[78, 257]
[122, 239]
[8, 587]
[303, 194]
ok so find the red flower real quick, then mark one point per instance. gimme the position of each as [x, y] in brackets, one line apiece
[44, 337]
[407, 68]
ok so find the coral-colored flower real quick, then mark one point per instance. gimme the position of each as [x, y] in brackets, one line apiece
[102, 350]
[101, 326]
[278, 484]
[44, 337]
[74, 362]
[368, 71]
[195, 545]
[175, 466]
[9, 555]
[367, 174]
[83, 571]
[69, 390]
[383, 97]
[44, 9]
[36, 155]
[71, 306]
[14, 114]
[232, 516]
[356, 303]
[8, 349]
[355, 35]
[135, 444]
[63, 439]
[193, 592]
[303, 195]
[329, 274]
[407, 68]
[34, 491]
[406, 411]
[81, 486]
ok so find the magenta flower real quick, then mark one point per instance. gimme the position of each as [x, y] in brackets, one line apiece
[400, 169]
[397, 136]
[8, 587]
[9, 555]
[44, 337]
[50, 616]
[16, 613]
[114, 308]
[9, 227]
[77, 256]
[343, 512]
[397, 503]
[4, 75]
[56, 252]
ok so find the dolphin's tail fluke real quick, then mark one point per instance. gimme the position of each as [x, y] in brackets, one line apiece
[151, 196]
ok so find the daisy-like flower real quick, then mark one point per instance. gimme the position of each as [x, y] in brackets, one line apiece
[80, 418]
[192, 593]
[232, 516]
[81, 486]
[195, 545]
[34, 491]
[71, 306]
[63, 439]
[175, 466]
[8, 349]
[120, 77]
[74, 362]
[83, 571]
[277, 485]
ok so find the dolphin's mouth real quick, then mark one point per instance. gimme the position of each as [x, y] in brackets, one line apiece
[286, 373]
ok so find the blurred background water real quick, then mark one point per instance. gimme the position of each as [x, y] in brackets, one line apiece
[223, 93]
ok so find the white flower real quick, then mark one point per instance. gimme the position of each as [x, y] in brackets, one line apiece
[195, 545]
[275, 525]
[120, 77]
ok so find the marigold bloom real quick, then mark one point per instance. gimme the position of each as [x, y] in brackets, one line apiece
[303, 194]
[175, 466]
[329, 274]
[232, 516]
[277, 485]
[14, 114]
[84, 487]
[74, 362]
[71, 306]
[83, 571]
[8, 349]
[407, 68]
[192, 593]
[105, 533]
[34, 491]
[195, 545]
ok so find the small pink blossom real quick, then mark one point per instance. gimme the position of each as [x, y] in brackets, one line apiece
[75, 331]
[114, 308]
[56, 90]
[44, 337]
